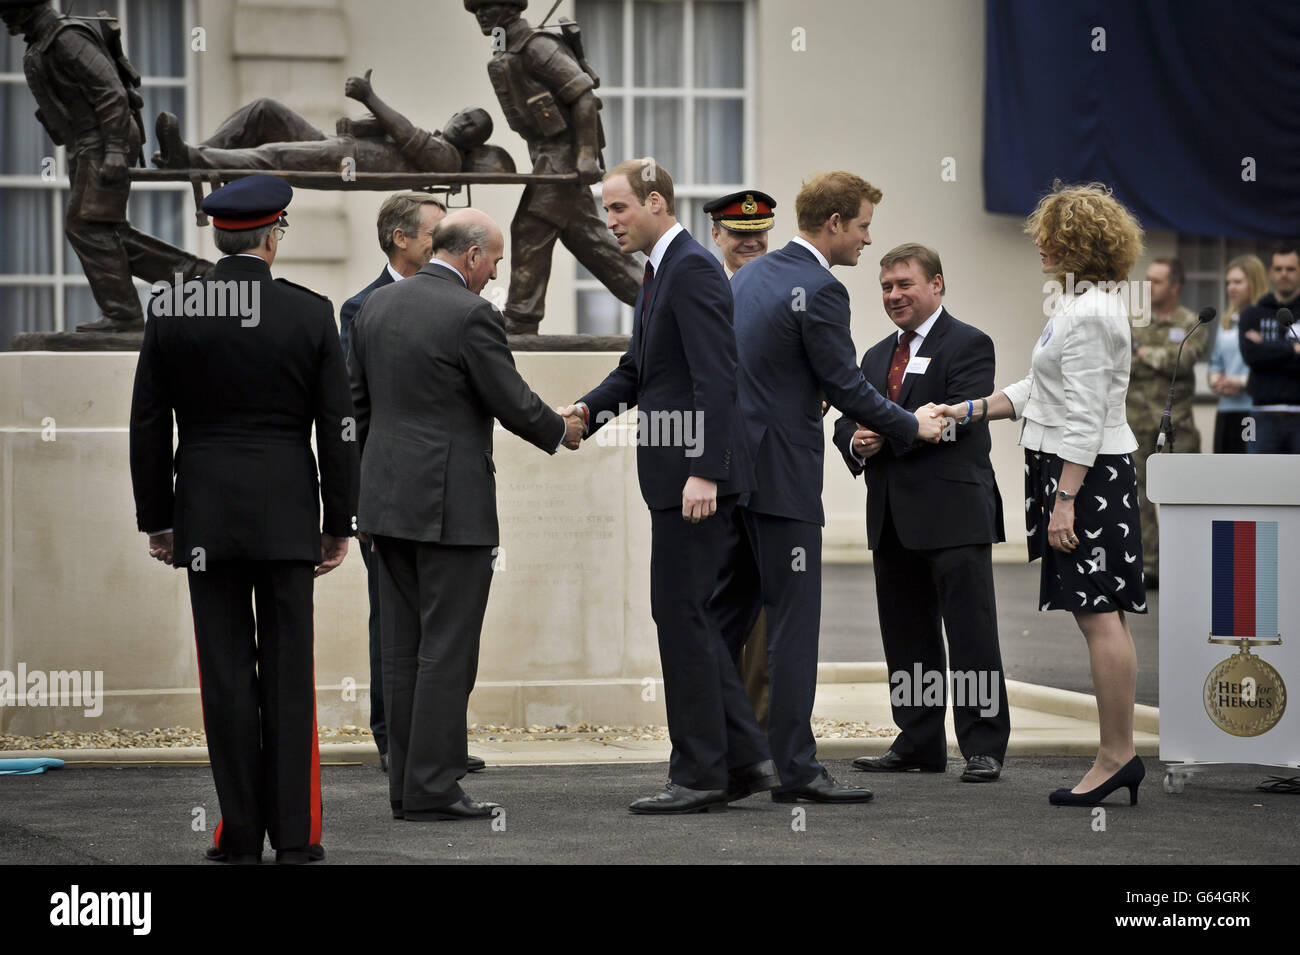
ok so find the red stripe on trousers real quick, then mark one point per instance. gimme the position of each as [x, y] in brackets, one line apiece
[314, 838]
[1243, 578]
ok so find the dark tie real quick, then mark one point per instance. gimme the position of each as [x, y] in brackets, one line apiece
[902, 355]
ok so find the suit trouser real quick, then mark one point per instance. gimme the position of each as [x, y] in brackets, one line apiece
[919, 595]
[432, 598]
[775, 563]
[257, 680]
[377, 725]
[711, 723]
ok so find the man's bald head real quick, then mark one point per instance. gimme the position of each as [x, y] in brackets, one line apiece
[469, 240]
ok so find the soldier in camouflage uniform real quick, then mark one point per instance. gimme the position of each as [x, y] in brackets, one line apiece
[85, 105]
[547, 98]
[1155, 349]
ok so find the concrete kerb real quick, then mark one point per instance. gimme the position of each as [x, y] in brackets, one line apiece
[1043, 699]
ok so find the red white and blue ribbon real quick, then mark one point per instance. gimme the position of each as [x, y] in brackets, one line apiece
[1244, 570]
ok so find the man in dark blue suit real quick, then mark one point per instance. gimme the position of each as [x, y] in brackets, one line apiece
[933, 514]
[794, 347]
[693, 466]
[406, 223]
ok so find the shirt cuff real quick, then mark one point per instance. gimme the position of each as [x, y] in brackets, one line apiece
[160, 533]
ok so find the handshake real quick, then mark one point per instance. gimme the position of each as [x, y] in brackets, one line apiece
[575, 425]
[931, 420]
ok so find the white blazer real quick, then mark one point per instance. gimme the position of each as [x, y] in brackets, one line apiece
[1072, 400]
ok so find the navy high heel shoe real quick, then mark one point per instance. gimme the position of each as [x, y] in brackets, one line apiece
[1130, 775]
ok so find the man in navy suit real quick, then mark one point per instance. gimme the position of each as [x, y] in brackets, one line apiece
[693, 466]
[794, 347]
[406, 223]
[933, 514]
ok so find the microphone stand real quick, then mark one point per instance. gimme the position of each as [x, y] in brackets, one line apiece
[1166, 419]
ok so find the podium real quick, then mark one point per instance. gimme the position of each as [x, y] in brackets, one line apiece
[1229, 609]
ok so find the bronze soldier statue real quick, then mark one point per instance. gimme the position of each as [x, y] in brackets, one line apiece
[546, 95]
[268, 135]
[86, 96]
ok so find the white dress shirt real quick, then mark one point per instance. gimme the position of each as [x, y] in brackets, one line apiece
[921, 331]
[397, 276]
[1072, 400]
[448, 265]
[814, 250]
[660, 247]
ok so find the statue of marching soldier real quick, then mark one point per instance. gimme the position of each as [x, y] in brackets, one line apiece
[87, 97]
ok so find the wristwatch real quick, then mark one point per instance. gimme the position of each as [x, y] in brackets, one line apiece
[1066, 495]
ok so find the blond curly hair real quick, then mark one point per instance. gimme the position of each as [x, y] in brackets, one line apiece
[1089, 231]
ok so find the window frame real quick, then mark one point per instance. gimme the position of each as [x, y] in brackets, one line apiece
[688, 192]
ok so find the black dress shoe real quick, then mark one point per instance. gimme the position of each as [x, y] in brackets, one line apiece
[755, 778]
[824, 788]
[464, 808]
[891, 762]
[383, 763]
[313, 853]
[981, 769]
[474, 765]
[674, 799]
[232, 858]
[397, 811]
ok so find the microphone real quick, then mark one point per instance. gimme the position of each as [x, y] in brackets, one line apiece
[1285, 319]
[1166, 419]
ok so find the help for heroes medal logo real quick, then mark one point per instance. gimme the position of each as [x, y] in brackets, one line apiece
[1244, 695]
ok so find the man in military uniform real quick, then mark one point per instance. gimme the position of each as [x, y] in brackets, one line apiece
[741, 222]
[547, 98]
[84, 104]
[248, 366]
[1155, 349]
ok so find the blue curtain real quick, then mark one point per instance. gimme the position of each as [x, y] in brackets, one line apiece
[1183, 93]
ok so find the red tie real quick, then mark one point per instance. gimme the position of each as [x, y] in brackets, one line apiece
[902, 354]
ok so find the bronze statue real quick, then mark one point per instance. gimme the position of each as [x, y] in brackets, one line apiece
[85, 91]
[545, 90]
[268, 135]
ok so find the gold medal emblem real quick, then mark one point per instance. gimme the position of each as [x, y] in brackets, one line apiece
[749, 206]
[1244, 695]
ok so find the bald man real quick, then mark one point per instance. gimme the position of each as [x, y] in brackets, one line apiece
[428, 496]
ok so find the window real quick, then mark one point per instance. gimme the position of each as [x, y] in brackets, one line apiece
[676, 77]
[42, 286]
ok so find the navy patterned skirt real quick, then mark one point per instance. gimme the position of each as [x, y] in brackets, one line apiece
[1104, 573]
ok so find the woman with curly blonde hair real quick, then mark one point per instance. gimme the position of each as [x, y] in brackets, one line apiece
[1081, 500]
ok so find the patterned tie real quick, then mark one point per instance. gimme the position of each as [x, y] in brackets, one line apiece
[902, 354]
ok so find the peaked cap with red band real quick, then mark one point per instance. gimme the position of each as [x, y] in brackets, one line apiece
[745, 211]
[248, 203]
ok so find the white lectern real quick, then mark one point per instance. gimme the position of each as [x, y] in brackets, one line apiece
[1229, 609]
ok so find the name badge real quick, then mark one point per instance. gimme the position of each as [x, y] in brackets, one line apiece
[1176, 335]
[1047, 333]
[917, 366]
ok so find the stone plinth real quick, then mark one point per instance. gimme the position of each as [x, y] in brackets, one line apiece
[568, 636]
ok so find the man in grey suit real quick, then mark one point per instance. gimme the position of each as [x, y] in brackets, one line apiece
[430, 369]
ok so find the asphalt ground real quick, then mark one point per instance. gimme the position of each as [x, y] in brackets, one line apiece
[1042, 647]
[123, 815]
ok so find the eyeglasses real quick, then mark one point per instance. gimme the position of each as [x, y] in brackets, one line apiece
[281, 228]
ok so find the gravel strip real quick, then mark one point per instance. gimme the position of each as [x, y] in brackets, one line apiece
[177, 736]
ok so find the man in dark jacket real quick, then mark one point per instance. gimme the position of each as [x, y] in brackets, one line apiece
[430, 370]
[933, 514]
[249, 365]
[1272, 350]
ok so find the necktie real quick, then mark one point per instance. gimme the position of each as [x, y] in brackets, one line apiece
[902, 355]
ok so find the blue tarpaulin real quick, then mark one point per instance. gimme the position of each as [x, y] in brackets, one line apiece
[1166, 101]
